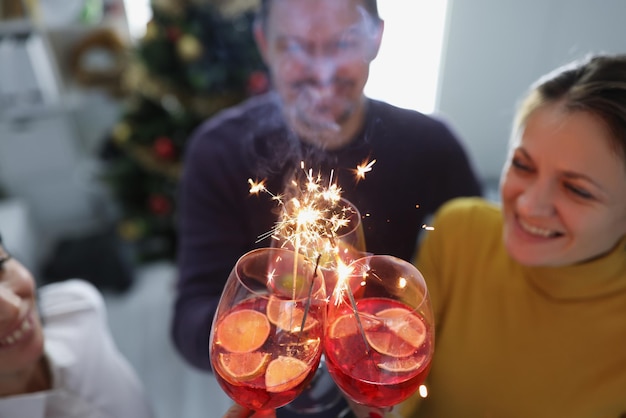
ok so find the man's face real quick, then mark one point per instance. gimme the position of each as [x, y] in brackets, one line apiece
[318, 54]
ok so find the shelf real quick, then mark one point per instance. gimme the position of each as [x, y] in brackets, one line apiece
[16, 27]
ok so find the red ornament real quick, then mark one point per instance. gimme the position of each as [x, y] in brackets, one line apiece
[164, 148]
[257, 83]
[173, 33]
[159, 205]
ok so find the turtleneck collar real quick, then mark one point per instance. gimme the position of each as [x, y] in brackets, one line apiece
[592, 279]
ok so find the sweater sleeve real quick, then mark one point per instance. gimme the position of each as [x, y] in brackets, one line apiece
[219, 220]
[211, 238]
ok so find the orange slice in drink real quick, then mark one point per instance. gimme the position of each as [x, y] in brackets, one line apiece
[285, 373]
[405, 325]
[346, 325]
[243, 331]
[387, 343]
[402, 334]
[403, 365]
[241, 367]
[287, 316]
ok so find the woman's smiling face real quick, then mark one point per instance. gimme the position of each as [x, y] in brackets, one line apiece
[21, 333]
[563, 189]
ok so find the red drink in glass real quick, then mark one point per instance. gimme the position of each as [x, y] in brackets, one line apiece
[243, 375]
[392, 364]
[266, 336]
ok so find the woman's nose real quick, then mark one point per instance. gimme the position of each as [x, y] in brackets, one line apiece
[537, 200]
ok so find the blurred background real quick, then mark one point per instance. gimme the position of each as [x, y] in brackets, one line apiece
[98, 97]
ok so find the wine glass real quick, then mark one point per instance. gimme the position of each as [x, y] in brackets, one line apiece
[349, 244]
[379, 340]
[266, 337]
[346, 245]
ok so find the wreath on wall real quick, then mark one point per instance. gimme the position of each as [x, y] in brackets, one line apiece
[99, 60]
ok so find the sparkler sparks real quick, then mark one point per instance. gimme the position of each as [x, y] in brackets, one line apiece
[343, 274]
[311, 218]
[310, 221]
[363, 169]
[257, 187]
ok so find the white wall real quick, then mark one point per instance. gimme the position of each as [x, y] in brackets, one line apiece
[409, 80]
[496, 48]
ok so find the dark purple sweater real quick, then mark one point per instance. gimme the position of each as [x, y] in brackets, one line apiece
[419, 165]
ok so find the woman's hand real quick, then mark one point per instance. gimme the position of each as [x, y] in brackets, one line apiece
[238, 411]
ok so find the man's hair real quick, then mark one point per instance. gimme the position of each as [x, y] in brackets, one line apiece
[371, 6]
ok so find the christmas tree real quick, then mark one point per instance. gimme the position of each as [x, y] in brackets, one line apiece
[195, 59]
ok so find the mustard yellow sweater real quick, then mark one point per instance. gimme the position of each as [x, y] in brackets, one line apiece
[515, 341]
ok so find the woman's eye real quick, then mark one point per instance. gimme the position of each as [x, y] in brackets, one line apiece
[518, 164]
[3, 259]
[580, 192]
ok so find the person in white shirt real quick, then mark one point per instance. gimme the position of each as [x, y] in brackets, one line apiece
[57, 356]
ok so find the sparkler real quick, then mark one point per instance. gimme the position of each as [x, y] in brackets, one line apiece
[308, 301]
[343, 285]
[310, 220]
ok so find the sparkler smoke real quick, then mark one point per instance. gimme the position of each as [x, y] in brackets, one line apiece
[314, 97]
[317, 105]
[318, 95]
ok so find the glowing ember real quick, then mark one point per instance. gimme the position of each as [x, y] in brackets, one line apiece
[363, 168]
[255, 187]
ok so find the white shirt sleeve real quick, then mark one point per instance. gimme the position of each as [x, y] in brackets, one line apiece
[85, 361]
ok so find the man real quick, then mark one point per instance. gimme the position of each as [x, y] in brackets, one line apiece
[318, 55]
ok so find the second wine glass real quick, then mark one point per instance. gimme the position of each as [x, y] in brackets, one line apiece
[380, 338]
[343, 245]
